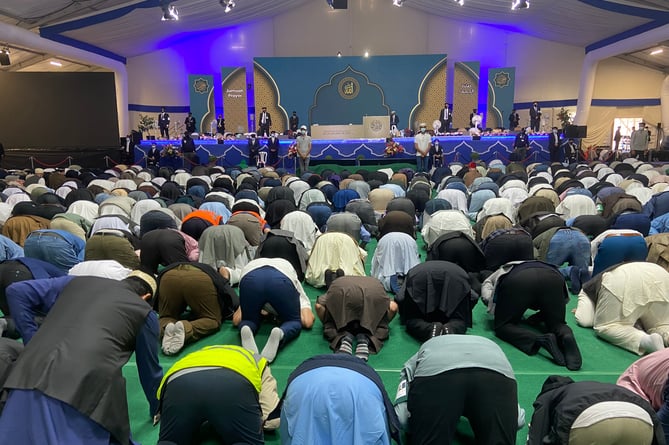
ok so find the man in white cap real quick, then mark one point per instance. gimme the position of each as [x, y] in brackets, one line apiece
[68, 379]
[303, 149]
[422, 142]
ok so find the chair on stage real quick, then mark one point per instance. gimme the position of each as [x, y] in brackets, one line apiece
[262, 159]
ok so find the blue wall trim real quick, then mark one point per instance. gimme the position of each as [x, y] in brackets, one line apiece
[620, 8]
[98, 18]
[649, 102]
[156, 108]
[625, 35]
[85, 46]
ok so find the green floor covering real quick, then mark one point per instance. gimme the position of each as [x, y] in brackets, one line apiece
[601, 361]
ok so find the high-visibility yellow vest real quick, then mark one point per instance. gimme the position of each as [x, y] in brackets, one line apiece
[235, 358]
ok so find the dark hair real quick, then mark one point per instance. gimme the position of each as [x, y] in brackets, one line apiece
[139, 286]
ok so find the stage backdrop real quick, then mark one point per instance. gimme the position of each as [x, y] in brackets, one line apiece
[501, 91]
[342, 90]
[201, 90]
[235, 107]
[465, 92]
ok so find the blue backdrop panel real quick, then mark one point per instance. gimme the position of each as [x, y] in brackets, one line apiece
[501, 91]
[201, 91]
[341, 90]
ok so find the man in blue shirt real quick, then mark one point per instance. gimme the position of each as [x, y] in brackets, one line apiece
[68, 379]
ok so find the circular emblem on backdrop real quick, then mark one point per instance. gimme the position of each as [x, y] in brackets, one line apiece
[502, 79]
[201, 85]
[348, 88]
[376, 125]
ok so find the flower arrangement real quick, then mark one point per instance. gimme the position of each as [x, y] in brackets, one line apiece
[292, 150]
[392, 148]
[170, 151]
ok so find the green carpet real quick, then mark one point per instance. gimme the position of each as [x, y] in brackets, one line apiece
[601, 361]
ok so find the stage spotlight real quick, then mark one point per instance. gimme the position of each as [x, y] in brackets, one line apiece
[520, 4]
[366, 53]
[338, 53]
[170, 12]
[398, 3]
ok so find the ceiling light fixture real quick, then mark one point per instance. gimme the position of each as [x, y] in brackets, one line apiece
[398, 3]
[520, 4]
[460, 2]
[228, 5]
[170, 12]
[366, 53]
[55, 63]
[655, 52]
[338, 53]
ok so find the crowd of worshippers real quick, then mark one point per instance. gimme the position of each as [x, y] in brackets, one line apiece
[98, 265]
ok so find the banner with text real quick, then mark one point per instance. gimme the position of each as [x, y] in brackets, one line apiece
[501, 92]
[234, 99]
[465, 92]
[201, 91]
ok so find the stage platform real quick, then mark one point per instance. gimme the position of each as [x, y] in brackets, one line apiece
[354, 151]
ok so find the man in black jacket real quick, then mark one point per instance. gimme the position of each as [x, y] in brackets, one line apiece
[587, 412]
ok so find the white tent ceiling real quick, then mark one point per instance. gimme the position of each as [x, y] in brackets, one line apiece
[99, 23]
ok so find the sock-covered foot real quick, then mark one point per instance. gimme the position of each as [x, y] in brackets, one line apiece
[572, 355]
[346, 345]
[651, 343]
[330, 275]
[550, 344]
[248, 341]
[174, 338]
[272, 345]
[362, 347]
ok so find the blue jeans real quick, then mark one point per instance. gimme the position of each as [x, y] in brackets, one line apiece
[571, 246]
[268, 285]
[52, 248]
[617, 249]
[422, 163]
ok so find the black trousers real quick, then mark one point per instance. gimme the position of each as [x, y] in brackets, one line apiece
[220, 396]
[165, 131]
[488, 399]
[419, 325]
[537, 288]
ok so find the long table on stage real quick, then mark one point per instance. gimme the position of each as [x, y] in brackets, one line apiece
[360, 151]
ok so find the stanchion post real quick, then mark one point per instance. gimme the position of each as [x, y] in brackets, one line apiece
[32, 163]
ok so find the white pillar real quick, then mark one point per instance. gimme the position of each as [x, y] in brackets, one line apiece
[586, 89]
[14, 35]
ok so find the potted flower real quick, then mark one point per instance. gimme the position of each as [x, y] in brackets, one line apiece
[292, 151]
[564, 117]
[146, 124]
[392, 148]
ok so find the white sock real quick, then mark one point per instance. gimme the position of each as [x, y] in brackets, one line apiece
[248, 342]
[272, 345]
[174, 338]
[651, 343]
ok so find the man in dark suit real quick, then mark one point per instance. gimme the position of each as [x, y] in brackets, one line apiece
[446, 119]
[555, 146]
[153, 156]
[265, 121]
[190, 123]
[514, 120]
[164, 123]
[520, 145]
[273, 149]
[294, 123]
[220, 124]
[394, 121]
[188, 150]
[254, 149]
[535, 117]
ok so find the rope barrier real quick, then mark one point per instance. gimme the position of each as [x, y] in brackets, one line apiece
[44, 164]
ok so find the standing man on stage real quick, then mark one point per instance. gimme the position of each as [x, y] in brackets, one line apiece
[446, 119]
[520, 145]
[535, 117]
[422, 142]
[190, 123]
[639, 140]
[294, 123]
[303, 149]
[616, 139]
[220, 124]
[273, 149]
[394, 122]
[164, 123]
[555, 146]
[514, 120]
[265, 122]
